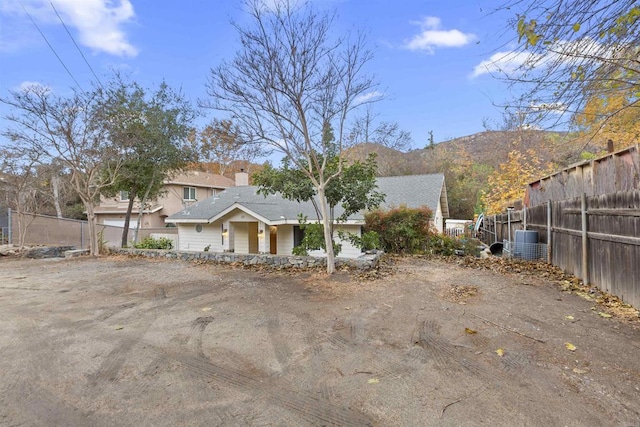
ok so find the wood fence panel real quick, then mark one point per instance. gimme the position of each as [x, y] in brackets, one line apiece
[613, 238]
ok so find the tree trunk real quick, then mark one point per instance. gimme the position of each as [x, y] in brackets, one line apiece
[327, 227]
[55, 186]
[94, 247]
[142, 203]
[127, 218]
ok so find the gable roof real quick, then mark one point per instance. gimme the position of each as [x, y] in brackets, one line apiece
[413, 191]
[201, 179]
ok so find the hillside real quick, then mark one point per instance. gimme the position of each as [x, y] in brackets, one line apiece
[468, 161]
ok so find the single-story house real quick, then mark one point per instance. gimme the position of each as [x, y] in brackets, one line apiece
[240, 220]
[179, 192]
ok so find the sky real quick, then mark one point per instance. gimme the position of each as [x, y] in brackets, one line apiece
[431, 58]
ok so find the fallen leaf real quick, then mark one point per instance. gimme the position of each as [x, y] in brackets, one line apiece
[500, 352]
[206, 309]
[605, 315]
[373, 381]
[570, 346]
[470, 331]
[579, 371]
[119, 327]
[569, 317]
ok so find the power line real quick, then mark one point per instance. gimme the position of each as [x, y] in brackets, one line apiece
[76, 44]
[51, 47]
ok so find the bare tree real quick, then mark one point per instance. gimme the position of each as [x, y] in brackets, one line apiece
[218, 144]
[570, 52]
[290, 80]
[368, 128]
[20, 185]
[67, 128]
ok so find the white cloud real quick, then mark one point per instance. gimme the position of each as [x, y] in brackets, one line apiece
[29, 85]
[432, 36]
[501, 62]
[563, 51]
[552, 107]
[368, 97]
[98, 23]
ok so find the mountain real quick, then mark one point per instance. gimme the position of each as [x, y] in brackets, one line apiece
[469, 160]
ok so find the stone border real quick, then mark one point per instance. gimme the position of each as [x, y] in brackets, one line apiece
[364, 262]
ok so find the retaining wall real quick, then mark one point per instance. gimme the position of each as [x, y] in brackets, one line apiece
[365, 262]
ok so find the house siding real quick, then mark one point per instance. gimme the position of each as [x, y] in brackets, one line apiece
[191, 240]
[241, 237]
[437, 219]
[285, 239]
[348, 250]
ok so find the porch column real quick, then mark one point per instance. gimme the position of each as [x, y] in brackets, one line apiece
[264, 238]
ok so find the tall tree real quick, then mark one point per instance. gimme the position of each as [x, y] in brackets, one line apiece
[368, 128]
[153, 125]
[572, 51]
[19, 183]
[610, 117]
[68, 129]
[290, 80]
[508, 182]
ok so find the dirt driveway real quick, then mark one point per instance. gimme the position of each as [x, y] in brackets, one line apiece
[122, 341]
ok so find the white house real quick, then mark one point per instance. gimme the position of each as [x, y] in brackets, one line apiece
[240, 220]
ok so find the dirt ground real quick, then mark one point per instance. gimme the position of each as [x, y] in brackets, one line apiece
[128, 341]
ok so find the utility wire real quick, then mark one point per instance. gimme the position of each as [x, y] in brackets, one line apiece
[51, 47]
[76, 44]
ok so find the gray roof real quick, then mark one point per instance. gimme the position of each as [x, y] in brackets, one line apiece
[412, 191]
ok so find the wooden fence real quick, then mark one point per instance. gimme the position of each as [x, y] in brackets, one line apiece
[596, 238]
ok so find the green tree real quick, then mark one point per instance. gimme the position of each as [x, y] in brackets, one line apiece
[152, 126]
[292, 77]
[353, 190]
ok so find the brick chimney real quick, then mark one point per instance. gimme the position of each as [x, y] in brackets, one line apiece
[242, 178]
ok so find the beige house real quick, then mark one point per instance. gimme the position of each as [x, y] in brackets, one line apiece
[180, 192]
[242, 221]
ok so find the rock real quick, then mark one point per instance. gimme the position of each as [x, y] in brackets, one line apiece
[76, 253]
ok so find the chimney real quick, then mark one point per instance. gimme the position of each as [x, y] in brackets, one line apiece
[609, 146]
[242, 178]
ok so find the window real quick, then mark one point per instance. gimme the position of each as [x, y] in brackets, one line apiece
[298, 235]
[124, 195]
[198, 228]
[189, 193]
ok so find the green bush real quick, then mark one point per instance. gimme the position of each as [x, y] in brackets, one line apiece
[405, 230]
[401, 230]
[151, 243]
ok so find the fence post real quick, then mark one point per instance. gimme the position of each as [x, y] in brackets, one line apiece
[585, 236]
[524, 218]
[549, 247]
[495, 228]
[9, 231]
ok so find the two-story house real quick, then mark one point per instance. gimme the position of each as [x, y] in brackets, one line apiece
[180, 192]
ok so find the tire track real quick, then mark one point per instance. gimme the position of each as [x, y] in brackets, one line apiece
[278, 342]
[197, 331]
[312, 409]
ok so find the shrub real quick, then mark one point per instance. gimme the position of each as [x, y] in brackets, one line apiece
[151, 243]
[405, 230]
[401, 230]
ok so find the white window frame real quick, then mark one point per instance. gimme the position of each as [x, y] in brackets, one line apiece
[191, 192]
[124, 193]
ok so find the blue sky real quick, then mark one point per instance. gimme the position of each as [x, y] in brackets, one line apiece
[429, 55]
